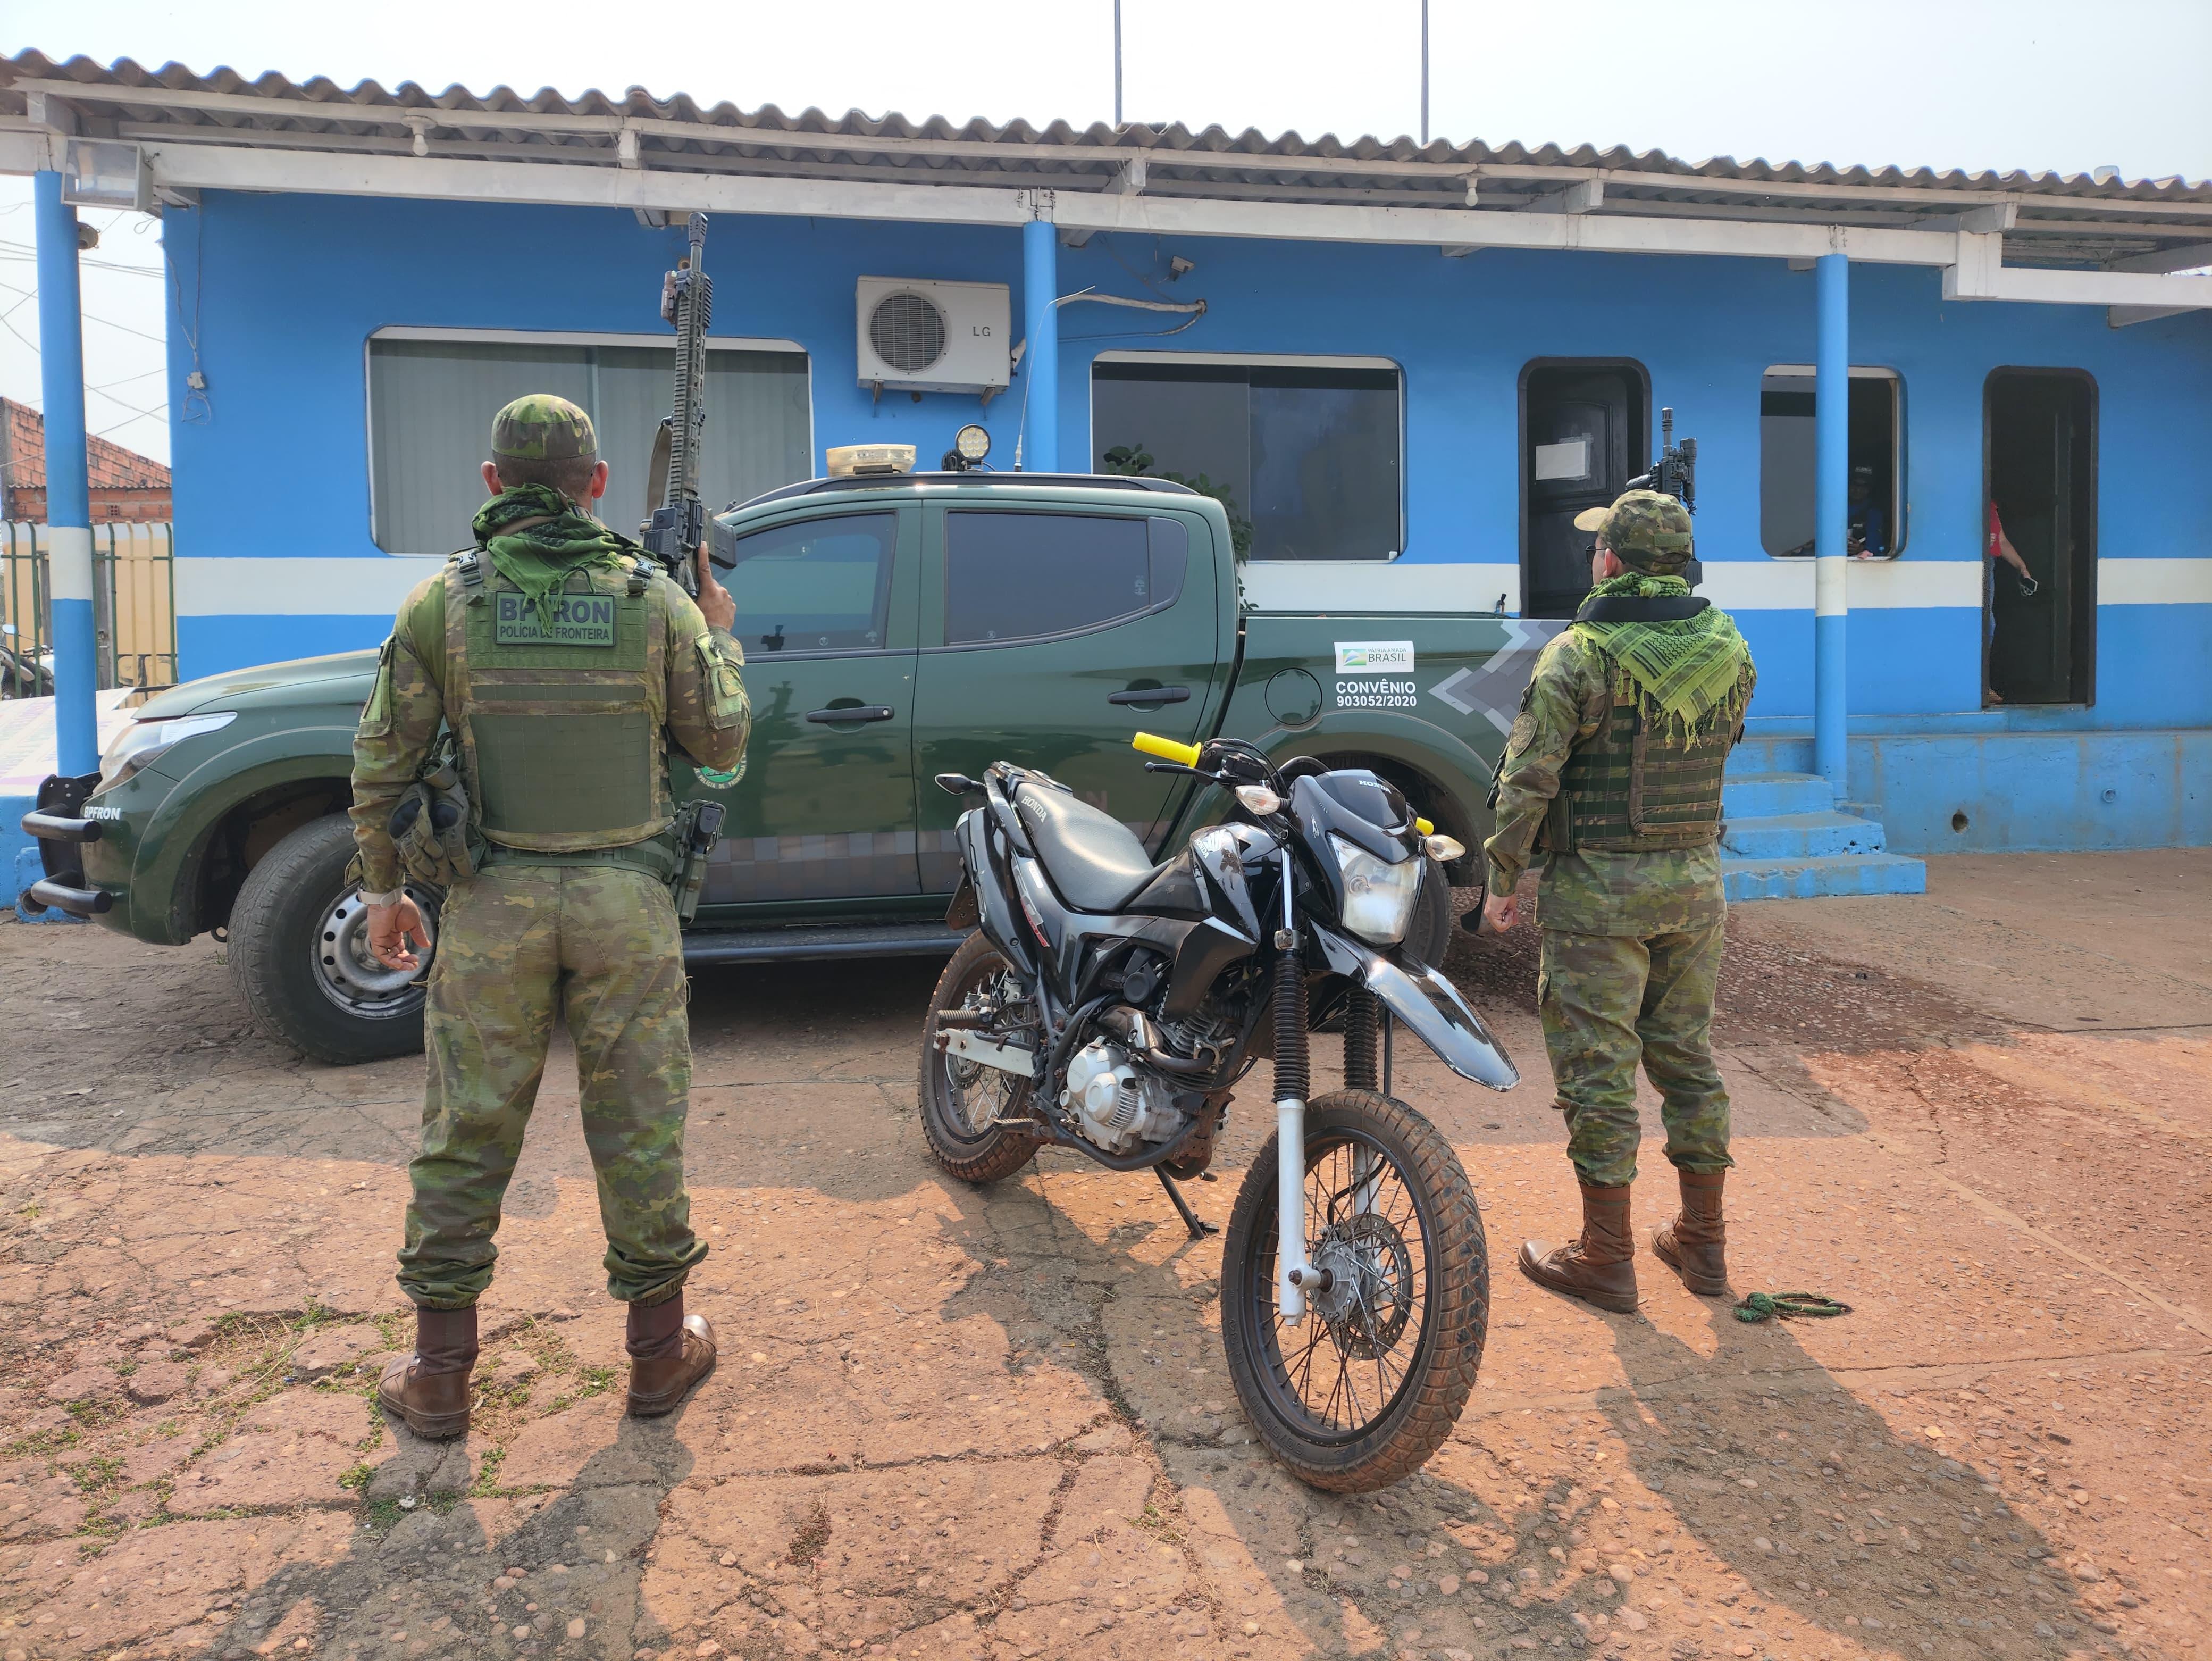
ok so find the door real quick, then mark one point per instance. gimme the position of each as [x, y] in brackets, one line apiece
[824, 812]
[1051, 638]
[1582, 439]
[2039, 633]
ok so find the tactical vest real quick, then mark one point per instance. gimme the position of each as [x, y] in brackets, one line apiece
[561, 731]
[1627, 791]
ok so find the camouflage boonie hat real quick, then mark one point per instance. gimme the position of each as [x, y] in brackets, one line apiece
[540, 427]
[1648, 529]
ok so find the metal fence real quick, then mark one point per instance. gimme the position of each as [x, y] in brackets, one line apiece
[134, 608]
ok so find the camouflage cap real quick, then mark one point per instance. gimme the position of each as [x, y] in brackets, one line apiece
[1648, 529]
[539, 427]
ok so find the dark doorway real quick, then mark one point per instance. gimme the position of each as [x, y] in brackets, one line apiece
[1585, 434]
[2039, 632]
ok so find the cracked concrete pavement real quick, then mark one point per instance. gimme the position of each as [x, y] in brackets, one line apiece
[957, 1423]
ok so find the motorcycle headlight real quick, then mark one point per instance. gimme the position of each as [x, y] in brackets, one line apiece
[141, 742]
[1378, 896]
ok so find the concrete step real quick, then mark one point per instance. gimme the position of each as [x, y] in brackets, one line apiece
[1822, 875]
[1801, 836]
[1762, 796]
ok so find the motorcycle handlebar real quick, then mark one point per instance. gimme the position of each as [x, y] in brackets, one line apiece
[1167, 749]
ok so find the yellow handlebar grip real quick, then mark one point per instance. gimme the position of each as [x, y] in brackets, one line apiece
[1424, 827]
[1166, 749]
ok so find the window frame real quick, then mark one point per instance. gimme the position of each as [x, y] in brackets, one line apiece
[1901, 531]
[1267, 360]
[1194, 528]
[461, 336]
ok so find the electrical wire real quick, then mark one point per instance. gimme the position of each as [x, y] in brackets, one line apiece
[91, 317]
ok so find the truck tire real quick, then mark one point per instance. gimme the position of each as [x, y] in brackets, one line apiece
[299, 953]
[1428, 936]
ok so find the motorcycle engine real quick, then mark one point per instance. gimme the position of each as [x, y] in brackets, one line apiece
[1119, 1106]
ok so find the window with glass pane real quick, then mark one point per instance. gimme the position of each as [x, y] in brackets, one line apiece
[1307, 462]
[431, 402]
[820, 585]
[1014, 576]
[1876, 440]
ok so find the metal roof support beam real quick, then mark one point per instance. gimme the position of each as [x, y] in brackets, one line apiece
[189, 167]
[1129, 181]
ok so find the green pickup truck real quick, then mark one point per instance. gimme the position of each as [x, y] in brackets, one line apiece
[894, 628]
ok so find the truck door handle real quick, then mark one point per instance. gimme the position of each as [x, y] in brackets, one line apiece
[1151, 695]
[853, 712]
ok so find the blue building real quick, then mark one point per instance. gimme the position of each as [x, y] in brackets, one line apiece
[1405, 367]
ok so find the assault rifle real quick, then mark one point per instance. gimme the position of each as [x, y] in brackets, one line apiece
[675, 521]
[1676, 475]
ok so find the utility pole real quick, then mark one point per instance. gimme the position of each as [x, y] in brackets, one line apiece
[1117, 59]
[1425, 67]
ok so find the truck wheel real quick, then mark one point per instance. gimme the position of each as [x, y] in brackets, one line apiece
[299, 953]
[1428, 935]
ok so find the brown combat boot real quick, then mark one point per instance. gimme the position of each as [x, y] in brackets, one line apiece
[1695, 1243]
[1600, 1267]
[429, 1391]
[669, 1353]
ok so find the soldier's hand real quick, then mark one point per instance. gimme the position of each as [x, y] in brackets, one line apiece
[1500, 912]
[391, 928]
[715, 602]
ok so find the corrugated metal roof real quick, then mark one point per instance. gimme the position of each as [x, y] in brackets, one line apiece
[2061, 217]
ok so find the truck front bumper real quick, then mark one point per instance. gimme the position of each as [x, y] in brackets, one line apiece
[59, 826]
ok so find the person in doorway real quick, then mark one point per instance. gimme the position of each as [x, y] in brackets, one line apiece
[1996, 545]
[1612, 777]
[565, 663]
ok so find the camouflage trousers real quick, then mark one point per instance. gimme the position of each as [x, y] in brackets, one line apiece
[516, 945]
[1610, 1001]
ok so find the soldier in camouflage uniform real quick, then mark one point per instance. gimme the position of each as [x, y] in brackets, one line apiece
[1612, 777]
[563, 662]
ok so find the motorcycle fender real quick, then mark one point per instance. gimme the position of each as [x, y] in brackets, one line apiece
[1427, 1003]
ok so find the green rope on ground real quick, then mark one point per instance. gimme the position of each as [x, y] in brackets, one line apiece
[1760, 1305]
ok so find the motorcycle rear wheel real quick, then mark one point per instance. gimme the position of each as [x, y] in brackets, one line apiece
[1367, 1387]
[960, 1099]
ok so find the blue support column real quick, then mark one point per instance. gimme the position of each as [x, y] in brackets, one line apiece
[69, 497]
[1831, 511]
[1041, 358]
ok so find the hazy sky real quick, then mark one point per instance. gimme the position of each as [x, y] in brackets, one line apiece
[2039, 84]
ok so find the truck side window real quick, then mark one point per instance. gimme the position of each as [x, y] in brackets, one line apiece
[817, 585]
[1015, 576]
[1171, 549]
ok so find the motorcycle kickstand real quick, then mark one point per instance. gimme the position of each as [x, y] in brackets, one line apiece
[1199, 1229]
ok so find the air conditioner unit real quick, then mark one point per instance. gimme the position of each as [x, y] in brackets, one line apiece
[933, 337]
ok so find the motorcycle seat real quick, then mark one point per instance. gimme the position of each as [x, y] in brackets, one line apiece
[1094, 859]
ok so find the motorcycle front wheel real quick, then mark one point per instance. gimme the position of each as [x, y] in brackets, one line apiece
[963, 1104]
[1361, 1392]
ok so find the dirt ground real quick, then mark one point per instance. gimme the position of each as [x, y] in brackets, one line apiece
[951, 1423]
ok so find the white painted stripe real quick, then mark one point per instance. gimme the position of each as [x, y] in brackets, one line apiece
[1829, 597]
[1356, 585]
[2155, 582]
[69, 562]
[220, 587]
[1875, 585]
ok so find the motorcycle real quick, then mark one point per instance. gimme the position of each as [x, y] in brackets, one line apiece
[1109, 1005]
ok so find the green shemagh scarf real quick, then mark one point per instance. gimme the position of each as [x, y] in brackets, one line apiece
[1685, 675]
[539, 558]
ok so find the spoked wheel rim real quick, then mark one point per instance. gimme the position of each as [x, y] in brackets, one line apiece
[975, 1097]
[347, 973]
[1343, 1371]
